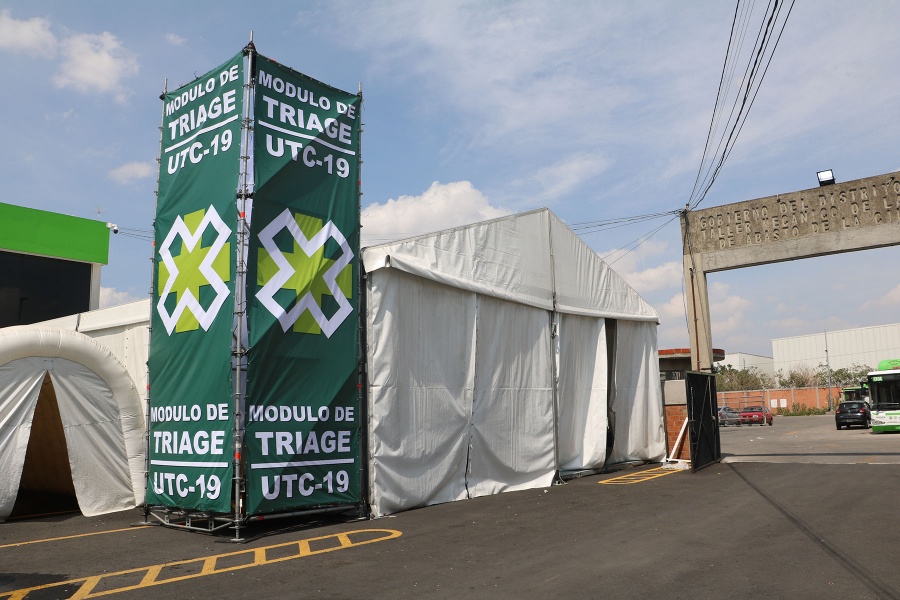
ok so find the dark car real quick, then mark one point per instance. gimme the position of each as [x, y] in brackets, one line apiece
[756, 415]
[855, 412]
[729, 416]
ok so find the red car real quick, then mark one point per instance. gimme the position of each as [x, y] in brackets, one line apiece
[753, 415]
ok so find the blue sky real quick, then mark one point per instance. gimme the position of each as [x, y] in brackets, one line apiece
[597, 110]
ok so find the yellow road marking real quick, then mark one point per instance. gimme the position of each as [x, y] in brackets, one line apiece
[69, 537]
[638, 477]
[207, 565]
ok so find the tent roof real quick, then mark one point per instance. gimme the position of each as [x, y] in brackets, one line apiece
[132, 313]
[530, 258]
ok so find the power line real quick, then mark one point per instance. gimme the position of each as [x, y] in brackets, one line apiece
[587, 227]
[635, 244]
[754, 74]
[712, 162]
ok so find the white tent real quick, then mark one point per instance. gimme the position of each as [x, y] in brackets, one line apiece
[497, 353]
[51, 376]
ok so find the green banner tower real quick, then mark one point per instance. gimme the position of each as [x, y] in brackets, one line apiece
[254, 354]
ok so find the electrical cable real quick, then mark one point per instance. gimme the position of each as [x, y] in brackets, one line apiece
[636, 243]
[754, 75]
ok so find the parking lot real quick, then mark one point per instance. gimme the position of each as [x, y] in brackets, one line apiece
[797, 510]
[812, 439]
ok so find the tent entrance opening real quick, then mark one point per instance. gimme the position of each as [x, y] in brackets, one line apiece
[46, 485]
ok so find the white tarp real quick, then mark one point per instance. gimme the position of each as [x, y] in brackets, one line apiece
[100, 410]
[488, 362]
[460, 394]
[582, 393]
[527, 258]
[512, 444]
[18, 397]
[637, 403]
[420, 390]
[124, 330]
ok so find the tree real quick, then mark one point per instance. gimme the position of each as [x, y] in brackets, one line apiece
[799, 376]
[849, 376]
[730, 379]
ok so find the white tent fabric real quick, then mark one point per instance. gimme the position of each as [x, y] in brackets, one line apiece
[528, 258]
[585, 285]
[421, 391]
[582, 393]
[487, 362]
[512, 444]
[124, 330]
[504, 258]
[639, 430]
[23, 385]
[99, 406]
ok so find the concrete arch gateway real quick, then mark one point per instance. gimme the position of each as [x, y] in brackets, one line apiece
[100, 410]
[833, 218]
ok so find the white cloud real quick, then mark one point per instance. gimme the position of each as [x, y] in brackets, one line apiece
[889, 300]
[95, 63]
[673, 310]
[441, 206]
[564, 176]
[60, 117]
[665, 275]
[132, 171]
[113, 297]
[32, 37]
[673, 331]
[175, 39]
[727, 310]
[551, 80]
[645, 279]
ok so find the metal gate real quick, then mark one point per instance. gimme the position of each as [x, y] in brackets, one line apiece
[702, 419]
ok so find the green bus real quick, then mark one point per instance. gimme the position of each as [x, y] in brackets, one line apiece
[856, 392]
[884, 394]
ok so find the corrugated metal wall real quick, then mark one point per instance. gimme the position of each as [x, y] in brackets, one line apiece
[848, 347]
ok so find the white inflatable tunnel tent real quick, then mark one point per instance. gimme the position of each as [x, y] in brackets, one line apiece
[54, 379]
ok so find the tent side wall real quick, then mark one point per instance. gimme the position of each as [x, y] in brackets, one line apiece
[19, 390]
[460, 394]
[420, 391]
[512, 443]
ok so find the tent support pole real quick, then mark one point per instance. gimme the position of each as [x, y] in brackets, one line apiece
[554, 352]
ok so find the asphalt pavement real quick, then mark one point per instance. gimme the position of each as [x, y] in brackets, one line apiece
[773, 521]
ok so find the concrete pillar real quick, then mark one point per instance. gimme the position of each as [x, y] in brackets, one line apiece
[699, 328]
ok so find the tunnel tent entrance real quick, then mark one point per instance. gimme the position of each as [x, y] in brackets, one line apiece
[46, 486]
[99, 413]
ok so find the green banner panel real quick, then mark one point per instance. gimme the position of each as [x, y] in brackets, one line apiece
[191, 442]
[301, 444]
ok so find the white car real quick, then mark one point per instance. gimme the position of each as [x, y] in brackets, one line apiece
[729, 416]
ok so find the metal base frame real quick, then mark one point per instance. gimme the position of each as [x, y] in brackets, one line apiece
[211, 523]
